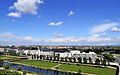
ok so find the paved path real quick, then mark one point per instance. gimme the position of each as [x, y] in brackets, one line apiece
[55, 66]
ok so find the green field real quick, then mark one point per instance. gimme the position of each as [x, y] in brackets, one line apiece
[41, 64]
[67, 67]
[87, 69]
[7, 57]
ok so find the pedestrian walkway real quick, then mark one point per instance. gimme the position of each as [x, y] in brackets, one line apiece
[56, 66]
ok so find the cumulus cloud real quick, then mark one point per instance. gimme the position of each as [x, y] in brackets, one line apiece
[71, 13]
[26, 6]
[115, 29]
[55, 24]
[16, 14]
[103, 27]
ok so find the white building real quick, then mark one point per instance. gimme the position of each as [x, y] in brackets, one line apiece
[1, 49]
[72, 54]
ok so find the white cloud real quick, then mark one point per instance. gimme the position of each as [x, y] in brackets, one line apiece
[11, 7]
[6, 35]
[103, 27]
[98, 35]
[55, 24]
[29, 40]
[115, 29]
[58, 35]
[16, 14]
[26, 6]
[71, 13]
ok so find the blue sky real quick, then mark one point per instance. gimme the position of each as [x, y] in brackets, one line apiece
[59, 22]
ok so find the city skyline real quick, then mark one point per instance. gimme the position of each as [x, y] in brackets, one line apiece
[59, 22]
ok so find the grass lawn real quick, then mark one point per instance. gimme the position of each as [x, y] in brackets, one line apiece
[67, 67]
[37, 63]
[6, 57]
[87, 69]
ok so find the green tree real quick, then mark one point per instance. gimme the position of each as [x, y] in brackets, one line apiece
[104, 62]
[7, 67]
[58, 58]
[90, 60]
[74, 59]
[70, 59]
[47, 57]
[62, 59]
[66, 58]
[109, 58]
[37, 56]
[1, 63]
[54, 58]
[97, 61]
[85, 60]
[79, 59]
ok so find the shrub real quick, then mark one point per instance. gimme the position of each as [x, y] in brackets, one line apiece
[7, 67]
[79, 71]
[19, 69]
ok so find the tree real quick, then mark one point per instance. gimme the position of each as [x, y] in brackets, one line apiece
[104, 62]
[62, 59]
[40, 56]
[97, 61]
[66, 58]
[109, 58]
[54, 58]
[58, 58]
[85, 60]
[90, 60]
[32, 56]
[6, 67]
[1, 63]
[79, 59]
[47, 57]
[43, 57]
[50, 57]
[70, 59]
[37, 57]
[74, 59]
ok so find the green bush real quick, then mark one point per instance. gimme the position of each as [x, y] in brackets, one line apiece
[7, 67]
[7, 72]
[79, 71]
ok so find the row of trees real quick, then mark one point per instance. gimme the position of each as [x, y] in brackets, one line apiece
[84, 60]
[12, 53]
